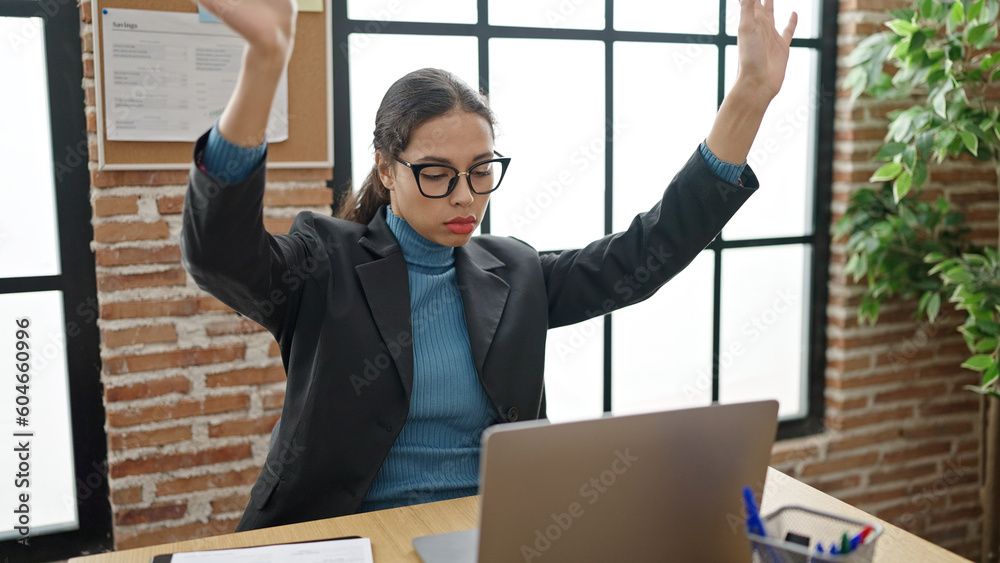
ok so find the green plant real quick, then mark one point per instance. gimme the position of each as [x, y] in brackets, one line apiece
[940, 57]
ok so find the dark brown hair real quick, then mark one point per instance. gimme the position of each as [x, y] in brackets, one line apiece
[410, 102]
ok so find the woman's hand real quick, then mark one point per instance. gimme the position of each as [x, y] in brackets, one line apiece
[763, 52]
[268, 26]
[763, 57]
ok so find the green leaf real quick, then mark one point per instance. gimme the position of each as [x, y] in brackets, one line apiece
[865, 49]
[980, 390]
[988, 62]
[970, 141]
[869, 310]
[933, 257]
[852, 266]
[856, 80]
[919, 174]
[925, 142]
[991, 12]
[990, 374]
[970, 332]
[886, 172]
[975, 33]
[958, 275]
[989, 328]
[910, 157]
[987, 38]
[933, 306]
[901, 126]
[974, 10]
[922, 306]
[917, 42]
[954, 218]
[987, 344]
[957, 13]
[942, 205]
[900, 51]
[944, 138]
[976, 260]
[902, 28]
[940, 105]
[902, 185]
[978, 362]
[926, 8]
[890, 150]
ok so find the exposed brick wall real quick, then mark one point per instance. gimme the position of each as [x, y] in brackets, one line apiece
[192, 389]
[902, 434]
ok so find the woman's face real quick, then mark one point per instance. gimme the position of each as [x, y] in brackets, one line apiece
[460, 139]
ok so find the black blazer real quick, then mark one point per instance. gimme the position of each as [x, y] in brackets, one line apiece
[335, 296]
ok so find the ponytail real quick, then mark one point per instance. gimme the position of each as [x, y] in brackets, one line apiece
[362, 206]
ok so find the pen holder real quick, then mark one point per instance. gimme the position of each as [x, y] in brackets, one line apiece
[820, 528]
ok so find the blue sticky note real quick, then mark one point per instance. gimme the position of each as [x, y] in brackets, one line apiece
[205, 16]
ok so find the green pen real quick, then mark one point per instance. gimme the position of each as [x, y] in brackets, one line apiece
[845, 544]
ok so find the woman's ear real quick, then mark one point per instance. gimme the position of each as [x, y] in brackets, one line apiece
[384, 171]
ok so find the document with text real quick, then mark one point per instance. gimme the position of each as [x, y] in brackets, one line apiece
[347, 550]
[167, 76]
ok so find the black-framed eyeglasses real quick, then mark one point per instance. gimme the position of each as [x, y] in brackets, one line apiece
[439, 180]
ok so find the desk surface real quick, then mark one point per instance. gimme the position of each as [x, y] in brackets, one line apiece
[391, 531]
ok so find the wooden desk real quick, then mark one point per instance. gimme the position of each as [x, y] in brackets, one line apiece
[391, 531]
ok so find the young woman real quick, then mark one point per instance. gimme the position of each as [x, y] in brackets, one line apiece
[403, 336]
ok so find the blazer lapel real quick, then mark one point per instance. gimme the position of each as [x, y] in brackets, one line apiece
[387, 291]
[484, 295]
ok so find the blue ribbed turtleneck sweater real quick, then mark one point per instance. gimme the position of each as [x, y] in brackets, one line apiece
[436, 455]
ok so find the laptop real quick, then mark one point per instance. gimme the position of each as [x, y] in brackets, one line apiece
[661, 486]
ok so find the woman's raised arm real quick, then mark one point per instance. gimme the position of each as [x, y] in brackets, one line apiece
[763, 56]
[268, 26]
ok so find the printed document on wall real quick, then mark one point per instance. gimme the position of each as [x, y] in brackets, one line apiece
[167, 76]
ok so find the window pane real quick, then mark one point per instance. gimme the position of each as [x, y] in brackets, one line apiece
[574, 371]
[809, 12]
[388, 11]
[549, 99]
[765, 332]
[662, 348]
[52, 479]
[29, 237]
[782, 156]
[379, 61]
[667, 17]
[559, 14]
[658, 125]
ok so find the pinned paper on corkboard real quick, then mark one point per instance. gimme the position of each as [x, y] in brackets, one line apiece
[308, 126]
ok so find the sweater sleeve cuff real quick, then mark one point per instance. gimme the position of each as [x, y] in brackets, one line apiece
[227, 162]
[728, 172]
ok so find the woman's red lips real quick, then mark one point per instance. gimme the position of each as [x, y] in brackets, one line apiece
[461, 225]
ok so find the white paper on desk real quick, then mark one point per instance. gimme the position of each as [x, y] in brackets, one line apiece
[168, 75]
[356, 550]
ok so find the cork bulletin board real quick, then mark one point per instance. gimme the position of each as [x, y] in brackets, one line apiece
[310, 101]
